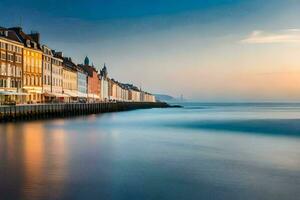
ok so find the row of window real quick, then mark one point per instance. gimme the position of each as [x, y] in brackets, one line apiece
[47, 59]
[10, 70]
[69, 76]
[69, 85]
[10, 47]
[55, 81]
[33, 54]
[32, 61]
[33, 81]
[10, 57]
[47, 66]
[4, 83]
[32, 69]
[56, 62]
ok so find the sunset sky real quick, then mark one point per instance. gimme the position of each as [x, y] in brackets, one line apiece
[208, 50]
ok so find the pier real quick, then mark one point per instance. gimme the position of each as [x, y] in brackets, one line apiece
[46, 111]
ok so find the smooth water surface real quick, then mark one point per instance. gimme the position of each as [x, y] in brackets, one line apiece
[201, 151]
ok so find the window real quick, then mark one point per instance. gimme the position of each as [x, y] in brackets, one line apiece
[3, 56]
[3, 69]
[9, 47]
[10, 57]
[3, 45]
[18, 59]
[12, 84]
[3, 83]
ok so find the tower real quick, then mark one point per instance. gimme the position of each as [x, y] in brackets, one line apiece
[86, 61]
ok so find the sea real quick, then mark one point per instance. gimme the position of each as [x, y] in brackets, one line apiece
[200, 151]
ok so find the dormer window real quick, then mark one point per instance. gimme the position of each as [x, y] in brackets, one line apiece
[28, 43]
[34, 45]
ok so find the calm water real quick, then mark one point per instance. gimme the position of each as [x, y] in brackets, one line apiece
[202, 151]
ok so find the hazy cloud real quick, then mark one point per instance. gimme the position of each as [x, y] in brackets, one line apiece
[281, 36]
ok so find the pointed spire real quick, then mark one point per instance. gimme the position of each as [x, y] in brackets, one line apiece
[86, 61]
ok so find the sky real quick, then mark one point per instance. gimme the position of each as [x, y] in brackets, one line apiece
[206, 50]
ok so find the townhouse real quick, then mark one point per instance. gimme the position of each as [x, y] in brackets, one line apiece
[93, 82]
[11, 62]
[32, 65]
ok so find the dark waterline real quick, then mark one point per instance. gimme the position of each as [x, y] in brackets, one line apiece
[203, 151]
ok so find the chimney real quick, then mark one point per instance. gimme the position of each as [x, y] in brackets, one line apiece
[6, 33]
[35, 36]
[60, 54]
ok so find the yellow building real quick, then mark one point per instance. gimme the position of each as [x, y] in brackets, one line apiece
[32, 65]
[10, 67]
[70, 80]
[32, 74]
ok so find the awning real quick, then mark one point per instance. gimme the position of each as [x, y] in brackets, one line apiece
[49, 94]
[60, 95]
[93, 96]
[83, 95]
[35, 91]
[71, 93]
[12, 93]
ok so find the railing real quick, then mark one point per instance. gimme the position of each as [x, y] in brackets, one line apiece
[41, 111]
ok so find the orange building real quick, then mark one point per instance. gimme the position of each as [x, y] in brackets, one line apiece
[93, 82]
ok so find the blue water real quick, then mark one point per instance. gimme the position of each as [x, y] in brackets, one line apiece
[201, 151]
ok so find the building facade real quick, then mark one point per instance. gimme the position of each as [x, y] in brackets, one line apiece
[11, 62]
[47, 73]
[33, 73]
[82, 83]
[70, 80]
[57, 76]
[32, 65]
[93, 82]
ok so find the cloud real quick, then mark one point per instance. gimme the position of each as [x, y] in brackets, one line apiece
[281, 36]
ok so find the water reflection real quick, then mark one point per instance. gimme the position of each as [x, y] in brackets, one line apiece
[152, 154]
[34, 158]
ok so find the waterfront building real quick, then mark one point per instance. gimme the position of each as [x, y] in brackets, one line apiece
[147, 97]
[93, 82]
[11, 61]
[82, 83]
[57, 77]
[32, 65]
[124, 93]
[47, 73]
[134, 93]
[33, 73]
[70, 80]
[119, 92]
[113, 90]
[52, 76]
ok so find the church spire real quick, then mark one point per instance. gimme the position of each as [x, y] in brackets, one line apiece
[86, 61]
